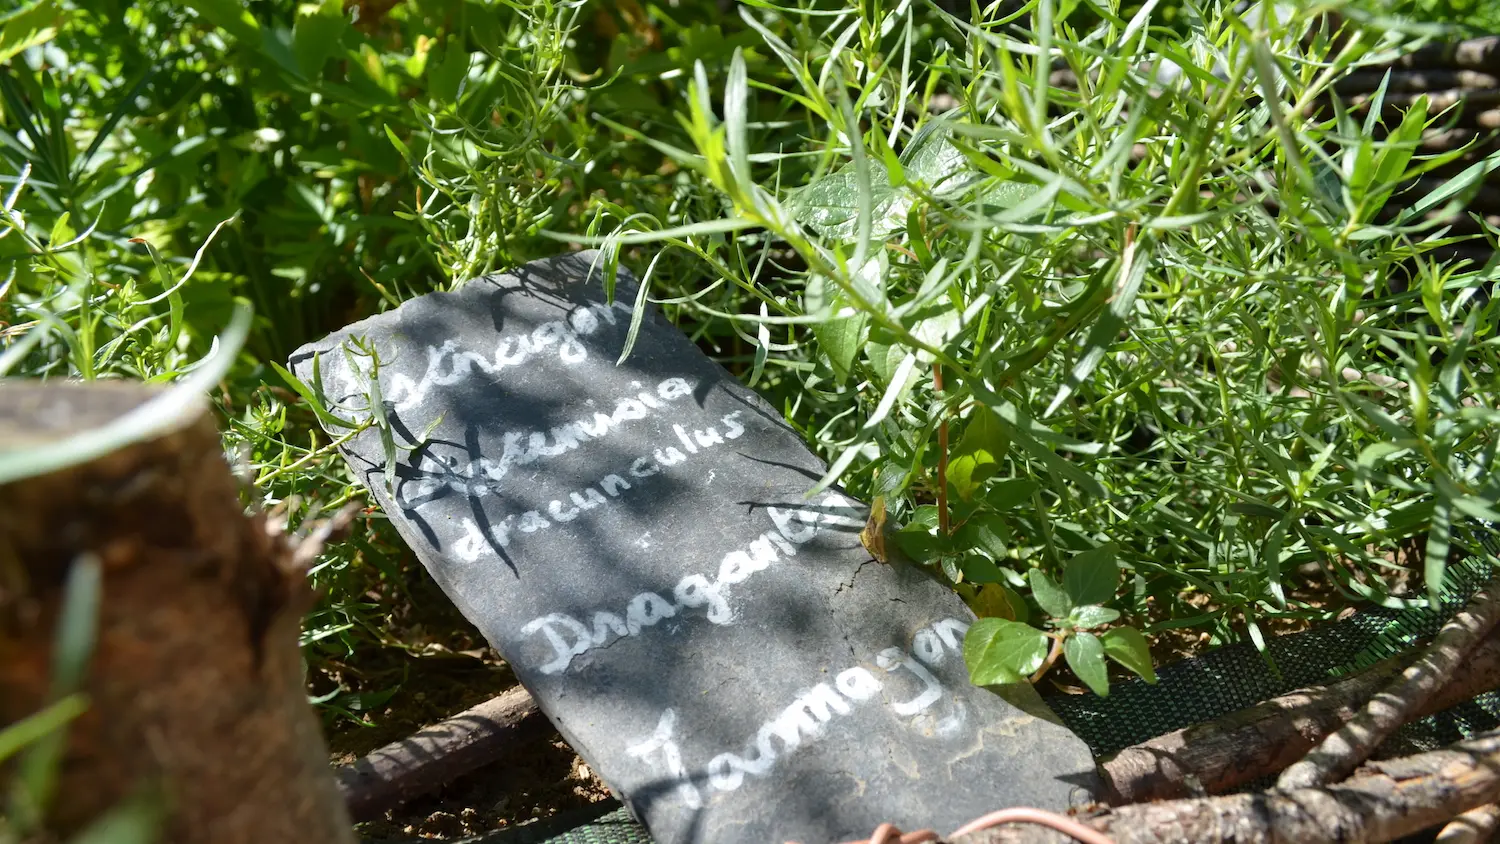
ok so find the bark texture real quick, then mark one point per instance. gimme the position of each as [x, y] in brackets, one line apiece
[195, 682]
[1390, 800]
[438, 754]
[1343, 750]
[1266, 738]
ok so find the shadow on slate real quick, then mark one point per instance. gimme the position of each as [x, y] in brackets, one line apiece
[634, 539]
[1192, 691]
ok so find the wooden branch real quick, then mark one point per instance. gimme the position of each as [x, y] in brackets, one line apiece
[1395, 798]
[1473, 54]
[195, 678]
[1435, 79]
[1475, 826]
[1437, 101]
[1353, 743]
[438, 754]
[1264, 739]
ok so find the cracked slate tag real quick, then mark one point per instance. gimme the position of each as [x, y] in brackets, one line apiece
[634, 539]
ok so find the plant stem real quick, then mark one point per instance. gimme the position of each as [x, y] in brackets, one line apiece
[944, 521]
[1052, 655]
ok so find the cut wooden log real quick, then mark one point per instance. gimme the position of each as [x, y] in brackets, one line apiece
[195, 682]
[1387, 801]
[1265, 739]
[439, 754]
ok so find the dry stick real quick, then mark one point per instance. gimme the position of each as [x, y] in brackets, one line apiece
[1353, 743]
[1434, 79]
[1217, 756]
[1475, 826]
[438, 754]
[1398, 797]
[1259, 741]
[1473, 54]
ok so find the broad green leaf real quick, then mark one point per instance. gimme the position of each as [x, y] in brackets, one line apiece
[1092, 616]
[919, 543]
[980, 569]
[1049, 596]
[29, 26]
[841, 339]
[446, 76]
[1010, 493]
[934, 161]
[1128, 647]
[317, 36]
[999, 651]
[884, 360]
[830, 206]
[1091, 577]
[1005, 194]
[996, 600]
[1085, 655]
[976, 457]
[230, 16]
[986, 532]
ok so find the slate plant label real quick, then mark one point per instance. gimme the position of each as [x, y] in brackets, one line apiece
[635, 540]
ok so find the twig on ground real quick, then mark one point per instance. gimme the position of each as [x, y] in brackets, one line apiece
[438, 754]
[1353, 743]
[1395, 798]
[1475, 826]
[1260, 741]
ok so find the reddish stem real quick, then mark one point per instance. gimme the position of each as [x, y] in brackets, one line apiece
[942, 474]
[1051, 660]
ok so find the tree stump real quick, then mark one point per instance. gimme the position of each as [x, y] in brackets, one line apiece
[195, 684]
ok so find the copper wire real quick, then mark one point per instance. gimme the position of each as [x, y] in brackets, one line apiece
[888, 833]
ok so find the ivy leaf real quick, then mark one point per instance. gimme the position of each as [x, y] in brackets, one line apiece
[1000, 651]
[1091, 577]
[1085, 655]
[1127, 646]
[1052, 599]
[977, 455]
[1092, 616]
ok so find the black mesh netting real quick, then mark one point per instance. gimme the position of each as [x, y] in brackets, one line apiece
[1190, 692]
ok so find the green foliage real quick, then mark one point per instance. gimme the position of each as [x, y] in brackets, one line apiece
[1156, 349]
[1179, 309]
